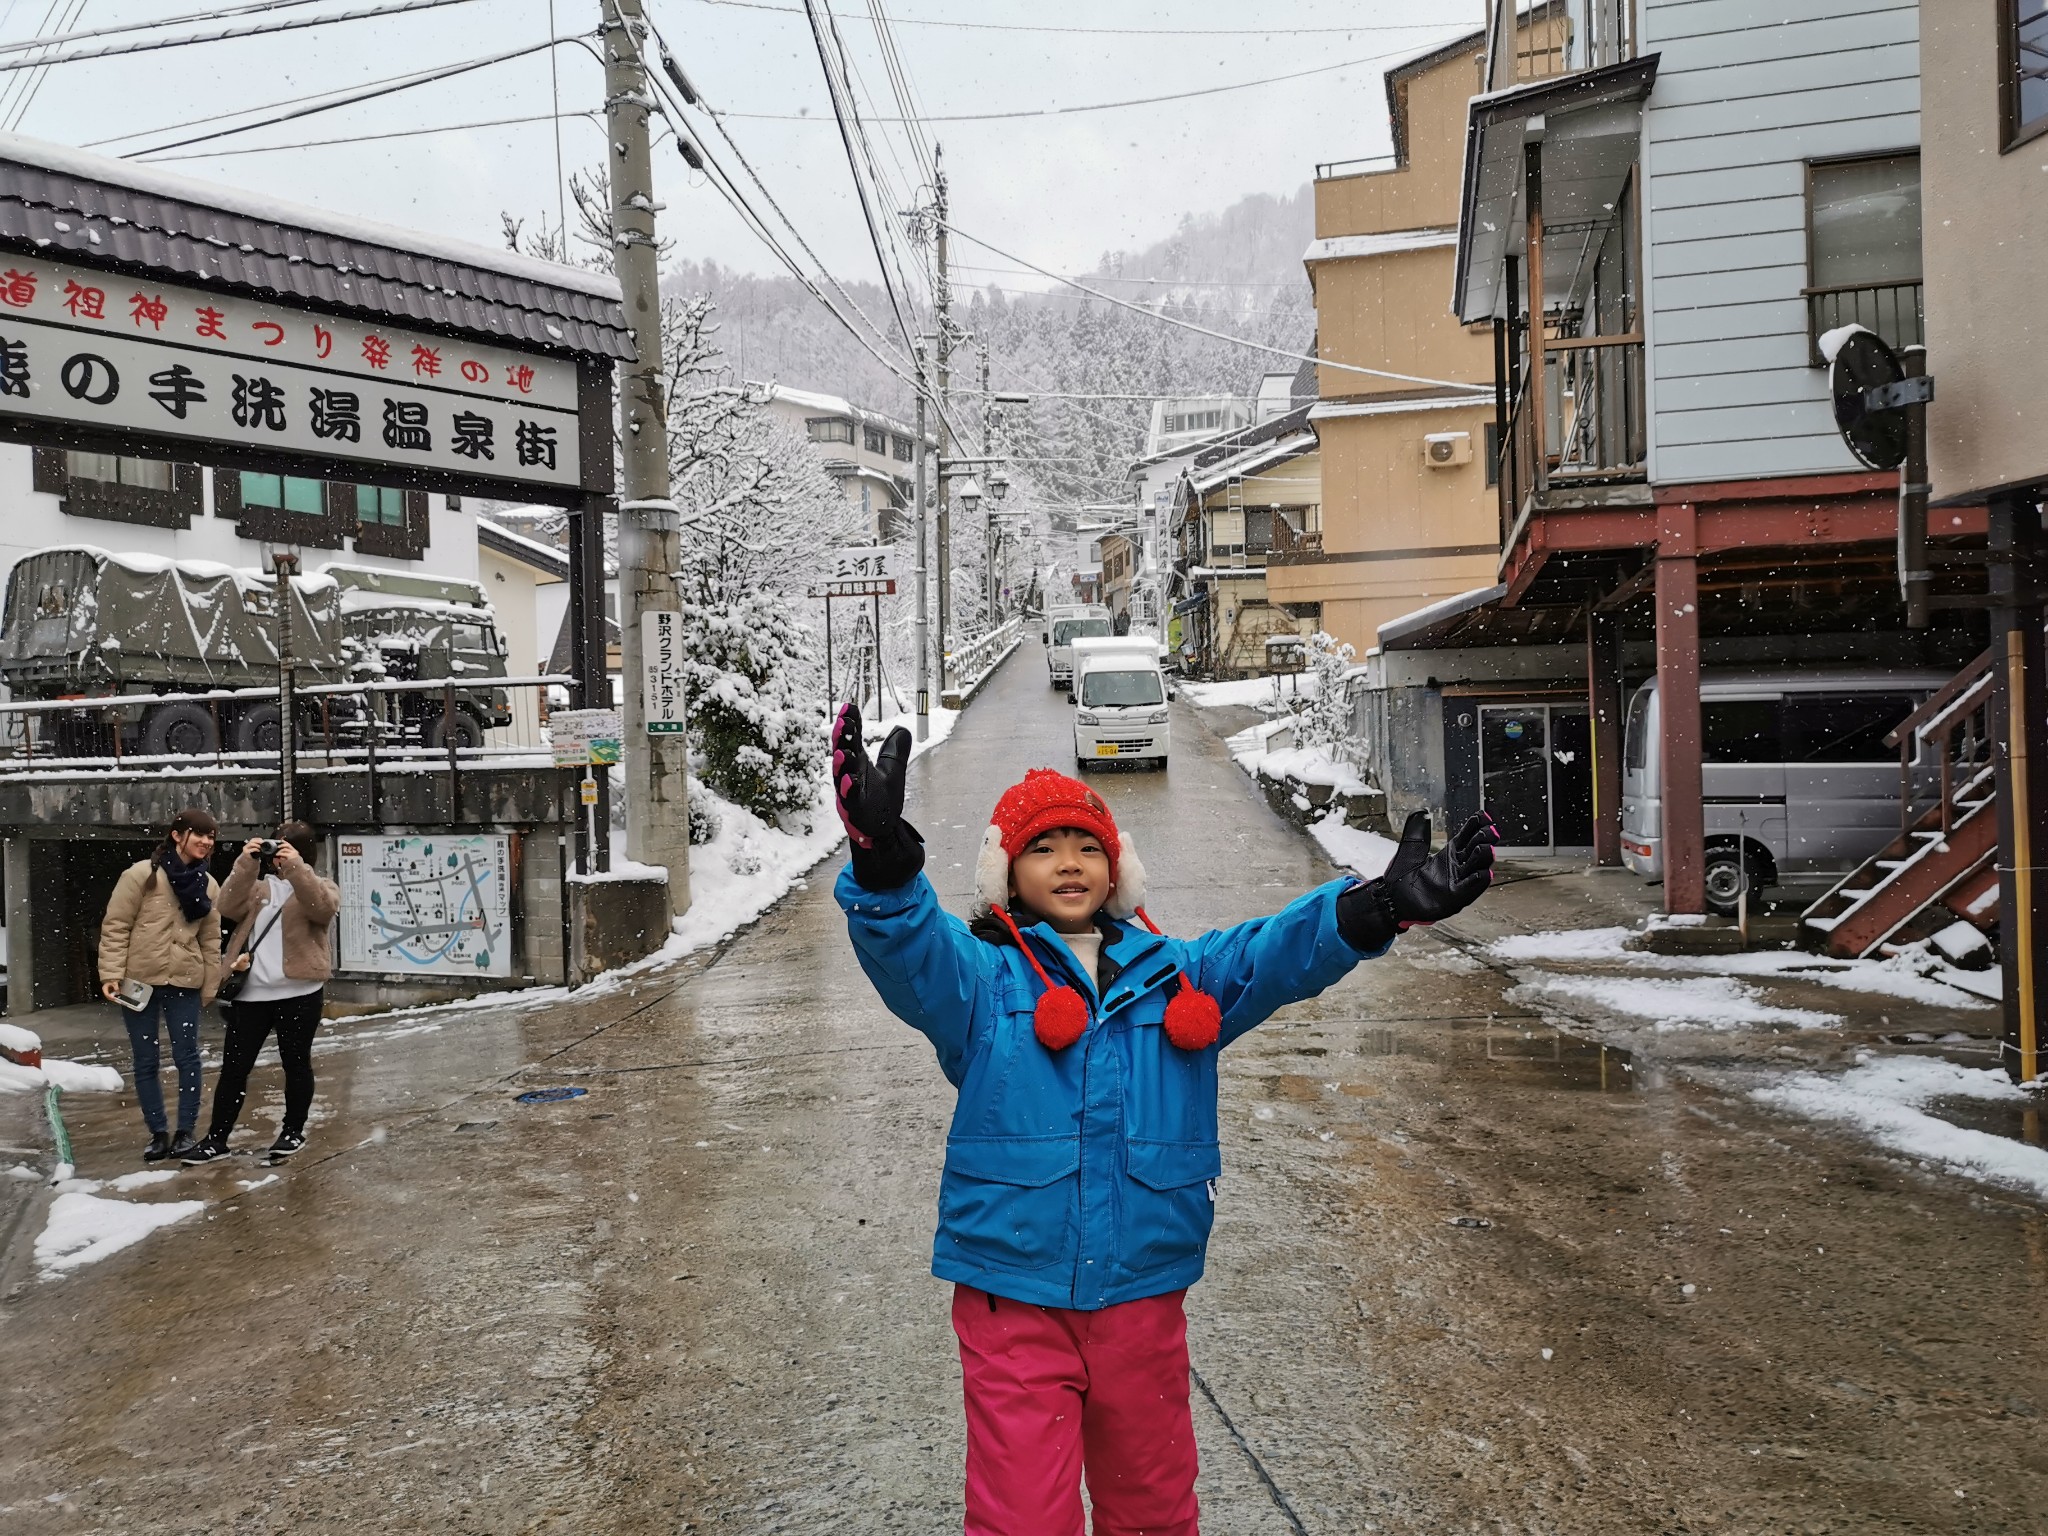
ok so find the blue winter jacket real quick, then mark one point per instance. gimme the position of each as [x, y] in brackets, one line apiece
[1084, 1177]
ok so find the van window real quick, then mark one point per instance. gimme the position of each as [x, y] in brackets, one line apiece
[1120, 690]
[1636, 741]
[1843, 727]
[1740, 731]
[1067, 631]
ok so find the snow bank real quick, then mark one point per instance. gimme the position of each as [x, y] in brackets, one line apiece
[1366, 853]
[1886, 1099]
[1249, 693]
[84, 1228]
[1311, 765]
[71, 1076]
[1697, 1002]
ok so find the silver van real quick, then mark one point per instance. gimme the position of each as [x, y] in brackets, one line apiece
[1796, 777]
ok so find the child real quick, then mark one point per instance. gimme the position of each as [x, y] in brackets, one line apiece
[1081, 1168]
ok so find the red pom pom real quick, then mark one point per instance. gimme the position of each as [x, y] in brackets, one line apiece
[1060, 1018]
[1193, 1019]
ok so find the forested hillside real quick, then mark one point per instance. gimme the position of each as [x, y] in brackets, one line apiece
[1237, 272]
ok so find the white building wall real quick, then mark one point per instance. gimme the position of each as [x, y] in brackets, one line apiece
[1748, 91]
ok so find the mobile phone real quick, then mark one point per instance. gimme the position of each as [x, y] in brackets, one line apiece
[134, 995]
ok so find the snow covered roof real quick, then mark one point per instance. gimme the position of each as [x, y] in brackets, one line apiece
[517, 546]
[1385, 243]
[1330, 410]
[1410, 625]
[1270, 457]
[120, 213]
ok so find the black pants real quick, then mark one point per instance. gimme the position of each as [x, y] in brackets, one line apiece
[249, 1024]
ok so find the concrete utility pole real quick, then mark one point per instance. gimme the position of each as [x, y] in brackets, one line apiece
[650, 544]
[923, 626]
[943, 300]
[285, 565]
[988, 525]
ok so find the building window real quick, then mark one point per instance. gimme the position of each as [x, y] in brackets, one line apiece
[2022, 70]
[1493, 453]
[874, 440]
[1863, 247]
[388, 522]
[380, 506]
[829, 429]
[285, 493]
[119, 489]
[900, 449]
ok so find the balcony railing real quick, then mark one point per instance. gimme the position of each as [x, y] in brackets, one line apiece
[1892, 310]
[1328, 170]
[1291, 548]
[1590, 35]
[1593, 423]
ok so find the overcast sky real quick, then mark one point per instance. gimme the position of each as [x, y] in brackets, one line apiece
[1057, 189]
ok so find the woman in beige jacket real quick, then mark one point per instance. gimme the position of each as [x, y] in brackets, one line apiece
[161, 929]
[284, 915]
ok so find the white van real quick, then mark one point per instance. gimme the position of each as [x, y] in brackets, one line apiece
[1796, 777]
[1120, 699]
[1063, 626]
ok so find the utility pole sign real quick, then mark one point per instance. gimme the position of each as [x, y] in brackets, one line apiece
[661, 647]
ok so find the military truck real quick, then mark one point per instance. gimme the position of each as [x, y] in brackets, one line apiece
[82, 622]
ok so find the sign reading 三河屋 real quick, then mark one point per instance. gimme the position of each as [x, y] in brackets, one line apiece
[661, 653]
[427, 905]
[583, 736]
[128, 355]
[859, 571]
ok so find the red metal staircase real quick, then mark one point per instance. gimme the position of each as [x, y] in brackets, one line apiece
[1943, 864]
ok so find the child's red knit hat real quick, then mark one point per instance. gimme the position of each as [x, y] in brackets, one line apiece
[1045, 801]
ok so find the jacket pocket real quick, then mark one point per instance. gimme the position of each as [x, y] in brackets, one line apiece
[1008, 1202]
[1168, 1203]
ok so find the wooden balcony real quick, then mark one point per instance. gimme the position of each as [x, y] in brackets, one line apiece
[1591, 408]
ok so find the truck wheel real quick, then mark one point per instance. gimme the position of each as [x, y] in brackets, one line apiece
[1724, 879]
[179, 730]
[465, 730]
[256, 729]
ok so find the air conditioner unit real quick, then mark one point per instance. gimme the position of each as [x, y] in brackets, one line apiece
[1442, 450]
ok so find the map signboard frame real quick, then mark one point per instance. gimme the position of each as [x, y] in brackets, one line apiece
[437, 904]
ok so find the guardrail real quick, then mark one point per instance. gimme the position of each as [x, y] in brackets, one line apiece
[971, 664]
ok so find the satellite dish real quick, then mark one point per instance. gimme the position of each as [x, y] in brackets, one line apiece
[1862, 360]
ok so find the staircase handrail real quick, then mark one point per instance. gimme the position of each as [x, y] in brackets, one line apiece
[1938, 704]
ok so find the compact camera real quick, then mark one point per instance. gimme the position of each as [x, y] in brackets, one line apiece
[266, 854]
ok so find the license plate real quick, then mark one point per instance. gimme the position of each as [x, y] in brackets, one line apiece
[1105, 749]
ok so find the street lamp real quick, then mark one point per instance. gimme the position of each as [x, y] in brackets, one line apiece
[970, 496]
[998, 484]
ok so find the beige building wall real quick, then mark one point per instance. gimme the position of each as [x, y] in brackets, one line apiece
[513, 589]
[1397, 533]
[1984, 247]
[1242, 612]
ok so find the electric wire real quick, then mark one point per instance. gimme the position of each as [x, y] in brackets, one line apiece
[39, 71]
[157, 25]
[367, 93]
[1189, 325]
[999, 26]
[227, 34]
[368, 138]
[11, 91]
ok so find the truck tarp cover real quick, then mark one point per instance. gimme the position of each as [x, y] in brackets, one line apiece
[133, 618]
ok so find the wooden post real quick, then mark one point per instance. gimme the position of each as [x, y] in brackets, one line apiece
[1604, 704]
[1678, 706]
[2019, 754]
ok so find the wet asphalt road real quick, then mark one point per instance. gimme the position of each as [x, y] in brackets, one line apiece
[696, 1299]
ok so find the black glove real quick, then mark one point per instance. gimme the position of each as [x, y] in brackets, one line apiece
[1420, 886]
[887, 852]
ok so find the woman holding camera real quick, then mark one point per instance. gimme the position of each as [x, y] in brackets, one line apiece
[283, 914]
[160, 962]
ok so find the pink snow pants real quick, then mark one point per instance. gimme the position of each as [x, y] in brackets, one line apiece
[1050, 1391]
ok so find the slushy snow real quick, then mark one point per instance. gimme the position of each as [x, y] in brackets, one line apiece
[84, 1228]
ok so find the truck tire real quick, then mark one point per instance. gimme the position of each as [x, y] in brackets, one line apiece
[179, 730]
[1726, 872]
[465, 729]
[255, 729]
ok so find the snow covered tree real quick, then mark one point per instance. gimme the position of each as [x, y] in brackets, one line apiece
[1326, 720]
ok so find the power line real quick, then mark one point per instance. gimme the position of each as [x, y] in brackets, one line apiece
[1188, 325]
[1104, 106]
[1104, 277]
[226, 34]
[39, 71]
[154, 26]
[365, 138]
[367, 93]
[999, 26]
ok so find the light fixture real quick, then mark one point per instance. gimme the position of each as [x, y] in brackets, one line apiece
[970, 496]
[998, 484]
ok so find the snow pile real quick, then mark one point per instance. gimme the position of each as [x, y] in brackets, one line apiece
[71, 1076]
[1366, 853]
[1915, 973]
[1698, 1002]
[1311, 765]
[1269, 694]
[1887, 1100]
[84, 1228]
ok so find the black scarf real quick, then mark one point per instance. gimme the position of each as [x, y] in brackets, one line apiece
[188, 884]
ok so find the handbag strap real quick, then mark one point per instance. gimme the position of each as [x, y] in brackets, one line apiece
[264, 932]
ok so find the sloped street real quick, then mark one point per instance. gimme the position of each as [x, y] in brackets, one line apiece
[1469, 1273]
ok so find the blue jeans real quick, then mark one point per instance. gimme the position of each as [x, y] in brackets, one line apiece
[179, 1009]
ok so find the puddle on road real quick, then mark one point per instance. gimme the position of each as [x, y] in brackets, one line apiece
[1536, 1055]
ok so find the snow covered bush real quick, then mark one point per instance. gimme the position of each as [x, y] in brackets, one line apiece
[755, 713]
[705, 822]
[1326, 719]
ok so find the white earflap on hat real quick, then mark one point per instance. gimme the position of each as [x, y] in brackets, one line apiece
[1129, 894]
[992, 876]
